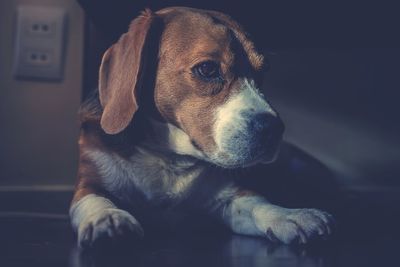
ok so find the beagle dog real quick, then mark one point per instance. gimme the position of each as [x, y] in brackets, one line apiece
[177, 117]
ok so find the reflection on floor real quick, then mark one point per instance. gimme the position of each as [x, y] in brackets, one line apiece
[37, 242]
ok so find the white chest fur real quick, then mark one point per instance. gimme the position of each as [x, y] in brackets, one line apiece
[158, 178]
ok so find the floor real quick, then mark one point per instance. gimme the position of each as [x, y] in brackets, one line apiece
[43, 242]
[367, 234]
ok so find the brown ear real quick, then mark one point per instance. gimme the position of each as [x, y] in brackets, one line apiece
[119, 76]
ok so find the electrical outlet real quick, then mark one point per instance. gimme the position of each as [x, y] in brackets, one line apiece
[39, 58]
[39, 43]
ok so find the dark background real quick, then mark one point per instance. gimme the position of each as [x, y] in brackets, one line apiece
[334, 78]
[333, 75]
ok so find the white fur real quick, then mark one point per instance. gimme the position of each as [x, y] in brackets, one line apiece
[174, 139]
[253, 215]
[152, 174]
[179, 142]
[238, 215]
[87, 206]
[94, 217]
[228, 116]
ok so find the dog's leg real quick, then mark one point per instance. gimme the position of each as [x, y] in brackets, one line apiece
[251, 214]
[98, 222]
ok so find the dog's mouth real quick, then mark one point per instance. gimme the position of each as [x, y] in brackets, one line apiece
[247, 146]
[238, 160]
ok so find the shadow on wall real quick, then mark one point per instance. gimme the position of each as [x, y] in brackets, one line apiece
[340, 105]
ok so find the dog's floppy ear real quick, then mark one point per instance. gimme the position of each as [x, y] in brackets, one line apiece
[120, 75]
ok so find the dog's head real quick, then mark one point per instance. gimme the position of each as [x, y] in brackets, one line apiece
[206, 86]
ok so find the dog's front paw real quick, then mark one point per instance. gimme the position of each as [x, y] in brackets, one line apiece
[108, 227]
[293, 225]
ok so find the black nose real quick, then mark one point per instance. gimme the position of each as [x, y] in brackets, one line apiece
[266, 128]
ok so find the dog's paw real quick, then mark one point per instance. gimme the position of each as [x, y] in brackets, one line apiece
[293, 225]
[107, 228]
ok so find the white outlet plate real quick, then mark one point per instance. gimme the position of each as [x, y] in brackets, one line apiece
[39, 43]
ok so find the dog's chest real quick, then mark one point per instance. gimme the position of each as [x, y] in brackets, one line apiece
[146, 176]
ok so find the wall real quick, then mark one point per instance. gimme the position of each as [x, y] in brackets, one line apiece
[38, 122]
[338, 104]
[341, 105]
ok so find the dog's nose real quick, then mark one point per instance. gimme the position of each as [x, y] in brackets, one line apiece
[266, 129]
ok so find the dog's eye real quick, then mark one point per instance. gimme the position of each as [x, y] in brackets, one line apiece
[207, 69]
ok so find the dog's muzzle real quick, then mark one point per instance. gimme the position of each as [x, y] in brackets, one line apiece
[247, 130]
[264, 133]
[257, 140]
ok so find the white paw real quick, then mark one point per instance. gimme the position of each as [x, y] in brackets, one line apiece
[108, 227]
[293, 225]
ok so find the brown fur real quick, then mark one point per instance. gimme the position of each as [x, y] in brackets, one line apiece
[120, 73]
[189, 36]
[192, 36]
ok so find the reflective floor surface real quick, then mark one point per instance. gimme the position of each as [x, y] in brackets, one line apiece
[40, 242]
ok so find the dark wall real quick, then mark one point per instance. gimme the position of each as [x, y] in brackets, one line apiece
[274, 24]
[332, 78]
[341, 106]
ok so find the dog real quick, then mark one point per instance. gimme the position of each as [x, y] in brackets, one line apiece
[177, 116]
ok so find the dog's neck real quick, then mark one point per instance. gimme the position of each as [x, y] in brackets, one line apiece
[168, 141]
